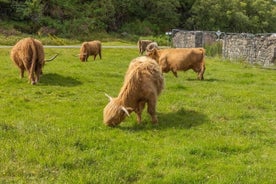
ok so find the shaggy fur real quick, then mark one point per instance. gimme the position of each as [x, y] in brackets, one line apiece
[28, 54]
[90, 48]
[151, 46]
[142, 45]
[142, 84]
[180, 59]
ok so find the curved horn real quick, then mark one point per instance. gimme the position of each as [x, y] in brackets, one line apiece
[109, 97]
[51, 59]
[125, 110]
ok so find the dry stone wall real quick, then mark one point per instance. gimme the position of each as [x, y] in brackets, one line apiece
[255, 49]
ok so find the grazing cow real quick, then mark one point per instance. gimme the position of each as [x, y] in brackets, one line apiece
[151, 46]
[90, 48]
[142, 45]
[28, 54]
[180, 59]
[142, 84]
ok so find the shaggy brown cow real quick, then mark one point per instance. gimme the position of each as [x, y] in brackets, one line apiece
[28, 54]
[142, 84]
[90, 48]
[142, 45]
[151, 46]
[180, 59]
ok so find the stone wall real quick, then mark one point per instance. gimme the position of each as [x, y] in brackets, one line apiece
[186, 39]
[256, 49]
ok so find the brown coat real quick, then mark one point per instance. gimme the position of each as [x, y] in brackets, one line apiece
[175, 59]
[142, 84]
[28, 54]
[142, 45]
[90, 48]
[151, 46]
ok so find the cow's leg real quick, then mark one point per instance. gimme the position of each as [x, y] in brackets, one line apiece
[174, 72]
[32, 78]
[100, 54]
[95, 57]
[201, 72]
[139, 111]
[151, 109]
[22, 69]
[38, 72]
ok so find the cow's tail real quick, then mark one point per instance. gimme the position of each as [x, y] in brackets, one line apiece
[34, 63]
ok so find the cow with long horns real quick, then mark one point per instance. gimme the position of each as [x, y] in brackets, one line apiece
[142, 84]
[28, 54]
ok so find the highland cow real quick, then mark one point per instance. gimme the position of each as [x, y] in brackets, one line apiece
[180, 59]
[90, 48]
[151, 46]
[142, 45]
[142, 84]
[28, 54]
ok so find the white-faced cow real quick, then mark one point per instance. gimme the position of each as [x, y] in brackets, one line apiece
[28, 54]
[90, 48]
[142, 84]
[175, 59]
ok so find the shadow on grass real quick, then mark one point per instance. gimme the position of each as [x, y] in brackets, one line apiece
[183, 119]
[205, 80]
[54, 79]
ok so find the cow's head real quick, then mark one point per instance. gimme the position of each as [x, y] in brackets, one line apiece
[83, 56]
[84, 51]
[114, 113]
[153, 54]
[151, 46]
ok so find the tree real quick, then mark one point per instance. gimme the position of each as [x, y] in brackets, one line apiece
[233, 16]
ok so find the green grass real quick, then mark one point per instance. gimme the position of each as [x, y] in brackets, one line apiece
[220, 130]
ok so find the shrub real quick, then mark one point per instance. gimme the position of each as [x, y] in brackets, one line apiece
[214, 49]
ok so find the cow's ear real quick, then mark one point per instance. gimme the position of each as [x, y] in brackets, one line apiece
[109, 97]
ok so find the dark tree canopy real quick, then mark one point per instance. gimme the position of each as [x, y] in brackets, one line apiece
[140, 17]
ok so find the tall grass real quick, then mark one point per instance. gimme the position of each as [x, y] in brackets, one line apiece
[220, 130]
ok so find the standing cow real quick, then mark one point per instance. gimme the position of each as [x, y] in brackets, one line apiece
[175, 59]
[142, 84]
[28, 54]
[142, 45]
[90, 48]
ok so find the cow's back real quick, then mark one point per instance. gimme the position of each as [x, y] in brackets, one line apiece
[22, 52]
[143, 79]
[94, 47]
[182, 58]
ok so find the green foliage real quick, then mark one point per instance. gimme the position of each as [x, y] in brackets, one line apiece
[214, 49]
[234, 16]
[140, 17]
[220, 130]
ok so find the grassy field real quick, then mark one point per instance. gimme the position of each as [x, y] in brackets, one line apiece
[220, 130]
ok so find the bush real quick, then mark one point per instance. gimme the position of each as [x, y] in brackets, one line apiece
[140, 28]
[214, 49]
